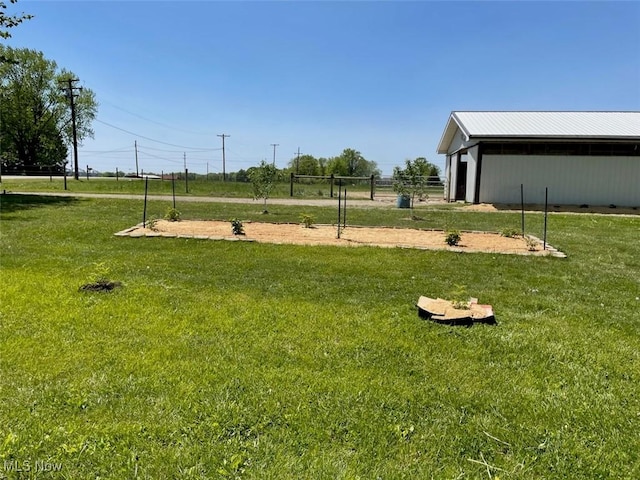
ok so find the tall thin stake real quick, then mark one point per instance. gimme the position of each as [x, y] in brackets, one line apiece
[144, 211]
[339, 205]
[173, 188]
[522, 205]
[344, 212]
[546, 204]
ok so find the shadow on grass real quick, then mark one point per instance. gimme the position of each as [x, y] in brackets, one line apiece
[611, 209]
[11, 203]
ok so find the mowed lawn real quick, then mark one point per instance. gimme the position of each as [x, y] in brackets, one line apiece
[243, 360]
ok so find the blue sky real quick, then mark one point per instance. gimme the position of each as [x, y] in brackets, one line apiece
[379, 77]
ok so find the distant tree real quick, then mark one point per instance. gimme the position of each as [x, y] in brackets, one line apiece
[351, 163]
[413, 179]
[34, 108]
[263, 178]
[242, 176]
[305, 165]
[322, 165]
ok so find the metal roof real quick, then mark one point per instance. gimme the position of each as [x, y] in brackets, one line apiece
[574, 125]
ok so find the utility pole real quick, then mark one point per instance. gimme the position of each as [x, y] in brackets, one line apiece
[135, 145]
[71, 95]
[274, 145]
[298, 161]
[224, 175]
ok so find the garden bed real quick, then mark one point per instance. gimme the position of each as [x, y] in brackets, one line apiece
[287, 233]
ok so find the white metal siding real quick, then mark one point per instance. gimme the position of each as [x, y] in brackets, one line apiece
[572, 180]
[472, 169]
[457, 142]
[453, 177]
[551, 124]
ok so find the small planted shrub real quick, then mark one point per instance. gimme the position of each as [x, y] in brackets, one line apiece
[532, 244]
[460, 297]
[510, 233]
[307, 220]
[172, 215]
[152, 224]
[452, 238]
[100, 280]
[236, 227]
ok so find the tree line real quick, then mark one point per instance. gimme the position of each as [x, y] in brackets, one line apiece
[350, 163]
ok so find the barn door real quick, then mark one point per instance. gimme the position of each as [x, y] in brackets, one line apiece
[461, 177]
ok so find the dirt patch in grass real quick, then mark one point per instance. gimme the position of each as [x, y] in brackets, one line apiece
[286, 233]
[100, 286]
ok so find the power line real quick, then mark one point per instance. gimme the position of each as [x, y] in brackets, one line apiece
[150, 139]
[100, 152]
[150, 120]
[181, 151]
[142, 152]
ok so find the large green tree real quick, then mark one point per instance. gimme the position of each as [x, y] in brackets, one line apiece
[305, 165]
[351, 163]
[35, 112]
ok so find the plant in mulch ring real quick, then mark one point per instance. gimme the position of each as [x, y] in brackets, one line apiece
[452, 238]
[152, 224]
[460, 298]
[532, 244]
[100, 282]
[236, 227]
[510, 233]
[307, 220]
[172, 215]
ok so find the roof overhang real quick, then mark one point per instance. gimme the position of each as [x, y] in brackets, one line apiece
[453, 125]
[456, 124]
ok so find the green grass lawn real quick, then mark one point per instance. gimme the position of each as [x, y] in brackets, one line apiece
[244, 360]
[200, 187]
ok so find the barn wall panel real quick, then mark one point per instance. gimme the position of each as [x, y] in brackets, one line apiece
[572, 180]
